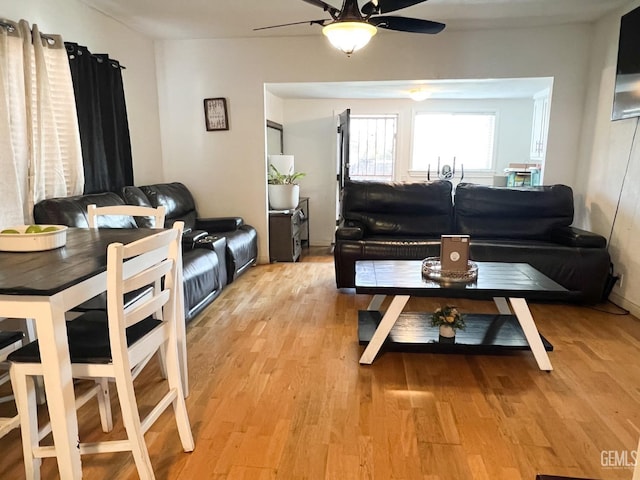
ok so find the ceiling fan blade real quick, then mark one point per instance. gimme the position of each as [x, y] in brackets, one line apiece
[386, 6]
[310, 22]
[326, 7]
[404, 24]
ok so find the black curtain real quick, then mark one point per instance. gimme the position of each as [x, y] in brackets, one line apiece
[102, 119]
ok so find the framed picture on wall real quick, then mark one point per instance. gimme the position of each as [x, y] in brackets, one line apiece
[215, 114]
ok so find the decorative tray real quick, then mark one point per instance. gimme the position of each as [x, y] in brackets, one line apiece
[432, 269]
[32, 238]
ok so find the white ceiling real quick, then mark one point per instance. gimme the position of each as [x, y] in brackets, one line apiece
[197, 19]
[191, 19]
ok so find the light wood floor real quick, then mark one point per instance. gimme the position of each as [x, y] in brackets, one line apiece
[277, 393]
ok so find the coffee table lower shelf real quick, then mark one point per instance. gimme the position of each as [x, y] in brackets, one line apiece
[485, 334]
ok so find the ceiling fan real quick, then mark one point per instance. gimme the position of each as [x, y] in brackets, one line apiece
[350, 28]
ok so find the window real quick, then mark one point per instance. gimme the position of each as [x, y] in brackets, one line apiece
[466, 137]
[372, 147]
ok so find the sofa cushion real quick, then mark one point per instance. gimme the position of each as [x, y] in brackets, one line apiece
[72, 211]
[134, 196]
[398, 209]
[497, 212]
[177, 200]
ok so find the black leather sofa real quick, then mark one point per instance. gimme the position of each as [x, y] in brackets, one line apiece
[242, 240]
[530, 225]
[204, 256]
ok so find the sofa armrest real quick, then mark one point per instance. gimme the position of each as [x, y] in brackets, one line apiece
[190, 238]
[220, 224]
[576, 237]
[349, 233]
[219, 246]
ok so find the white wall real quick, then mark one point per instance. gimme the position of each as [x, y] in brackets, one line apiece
[80, 24]
[610, 166]
[273, 108]
[226, 170]
[310, 135]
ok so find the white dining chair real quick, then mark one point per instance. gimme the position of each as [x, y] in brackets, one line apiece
[28, 328]
[158, 213]
[93, 212]
[111, 344]
[9, 342]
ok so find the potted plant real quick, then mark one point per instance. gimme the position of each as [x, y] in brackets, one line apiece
[448, 319]
[284, 191]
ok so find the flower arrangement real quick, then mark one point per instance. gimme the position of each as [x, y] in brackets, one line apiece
[448, 316]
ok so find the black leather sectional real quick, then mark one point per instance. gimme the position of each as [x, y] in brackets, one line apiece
[215, 250]
[242, 240]
[530, 225]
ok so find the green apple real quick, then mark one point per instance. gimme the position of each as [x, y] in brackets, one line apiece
[50, 229]
[9, 230]
[33, 229]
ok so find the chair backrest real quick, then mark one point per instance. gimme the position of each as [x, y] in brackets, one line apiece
[150, 260]
[9, 342]
[157, 214]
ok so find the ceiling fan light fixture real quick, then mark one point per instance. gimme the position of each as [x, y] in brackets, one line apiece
[349, 36]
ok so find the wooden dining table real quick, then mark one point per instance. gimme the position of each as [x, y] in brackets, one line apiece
[44, 286]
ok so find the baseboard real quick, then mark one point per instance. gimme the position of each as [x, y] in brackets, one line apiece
[633, 308]
[555, 477]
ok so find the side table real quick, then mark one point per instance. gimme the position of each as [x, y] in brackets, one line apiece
[288, 232]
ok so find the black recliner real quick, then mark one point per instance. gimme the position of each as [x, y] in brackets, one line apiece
[241, 239]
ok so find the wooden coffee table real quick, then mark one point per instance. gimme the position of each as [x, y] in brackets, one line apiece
[505, 283]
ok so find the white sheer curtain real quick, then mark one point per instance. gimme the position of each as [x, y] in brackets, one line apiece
[14, 151]
[41, 155]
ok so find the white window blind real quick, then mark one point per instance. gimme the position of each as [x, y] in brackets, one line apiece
[467, 137]
[372, 147]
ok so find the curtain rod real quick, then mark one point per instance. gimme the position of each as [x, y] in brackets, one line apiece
[14, 30]
[114, 63]
[11, 26]
[53, 40]
[72, 48]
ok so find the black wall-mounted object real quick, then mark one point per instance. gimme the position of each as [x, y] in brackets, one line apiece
[626, 101]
